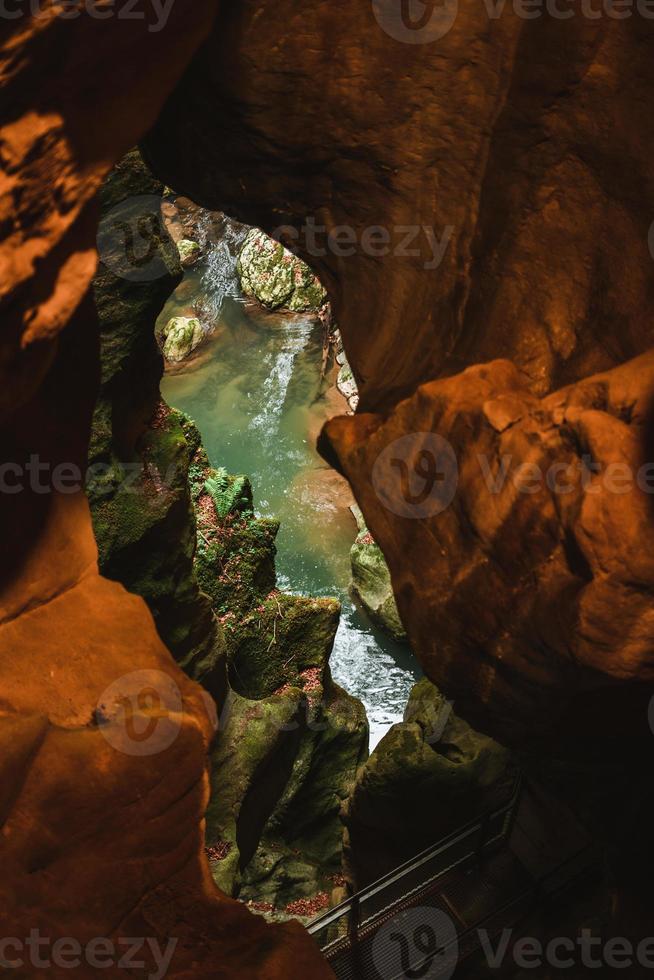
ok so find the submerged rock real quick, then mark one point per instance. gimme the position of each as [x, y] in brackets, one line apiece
[181, 336]
[189, 252]
[276, 277]
[371, 581]
[428, 776]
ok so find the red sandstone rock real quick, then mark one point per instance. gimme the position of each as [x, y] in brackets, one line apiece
[528, 598]
[523, 146]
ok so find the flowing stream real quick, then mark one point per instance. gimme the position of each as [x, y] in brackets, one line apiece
[255, 392]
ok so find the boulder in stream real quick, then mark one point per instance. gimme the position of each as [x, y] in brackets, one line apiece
[276, 277]
[181, 336]
[189, 252]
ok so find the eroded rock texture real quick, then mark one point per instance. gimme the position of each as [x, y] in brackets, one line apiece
[502, 150]
[530, 592]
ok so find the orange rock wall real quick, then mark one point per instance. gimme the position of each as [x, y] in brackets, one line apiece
[103, 740]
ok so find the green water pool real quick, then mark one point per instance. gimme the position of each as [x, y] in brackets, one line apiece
[256, 394]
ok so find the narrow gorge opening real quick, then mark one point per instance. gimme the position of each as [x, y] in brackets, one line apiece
[301, 592]
[213, 505]
[262, 381]
[492, 273]
[263, 580]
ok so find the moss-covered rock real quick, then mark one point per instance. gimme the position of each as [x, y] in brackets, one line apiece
[283, 766]
[276, 277]
[132, 178]
[235, 558]
[371, 581]
[346, 384]
[180, 336]
[291, 741]
[253, 757]
[428, 776]
[138, 484]
[300, 853]
[278, 641]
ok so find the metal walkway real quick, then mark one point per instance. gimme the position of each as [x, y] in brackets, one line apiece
[430, 914]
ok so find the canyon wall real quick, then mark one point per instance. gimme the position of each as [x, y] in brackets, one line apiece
[139, 460]
[516, 153]
[489, 193]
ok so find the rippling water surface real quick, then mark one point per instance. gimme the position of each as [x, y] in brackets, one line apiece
[256, 395]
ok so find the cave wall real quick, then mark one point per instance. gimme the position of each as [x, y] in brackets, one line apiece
[531, 141]
[523, 145]
[102, 830]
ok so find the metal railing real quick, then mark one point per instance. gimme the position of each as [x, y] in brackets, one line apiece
[342, 924]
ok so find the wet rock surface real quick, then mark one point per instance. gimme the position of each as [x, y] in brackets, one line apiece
[180, 337]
